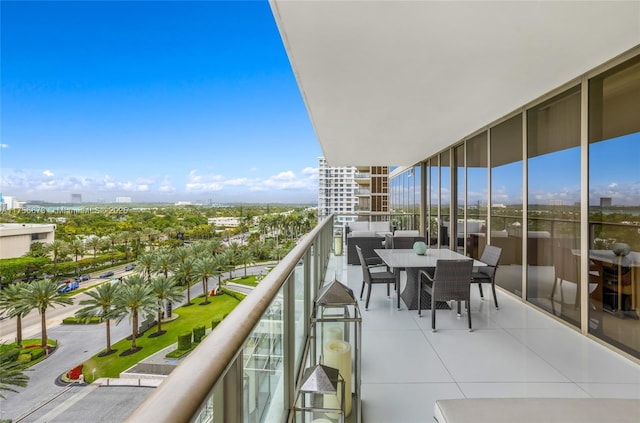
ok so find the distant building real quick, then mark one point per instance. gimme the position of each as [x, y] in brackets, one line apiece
[16, 238]
[8, 203]
[123, 199]
[605, 202]
[226, 222]
[76, 198]
[182, 203]
[351, 192]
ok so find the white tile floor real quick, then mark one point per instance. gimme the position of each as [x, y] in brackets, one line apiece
[515, 351]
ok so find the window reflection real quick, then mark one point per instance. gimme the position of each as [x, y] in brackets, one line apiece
[614, 206]
[506, 201]
[477, 194]
[553, 151]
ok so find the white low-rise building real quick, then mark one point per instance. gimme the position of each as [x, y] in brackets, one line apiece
[16, 238]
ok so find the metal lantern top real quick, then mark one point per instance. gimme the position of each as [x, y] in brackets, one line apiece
[335, 294]
[320, 379]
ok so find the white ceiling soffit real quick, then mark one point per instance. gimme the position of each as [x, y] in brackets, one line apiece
[392, 82]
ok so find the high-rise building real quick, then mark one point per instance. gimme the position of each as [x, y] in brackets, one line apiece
[123, 199]
[336, 191]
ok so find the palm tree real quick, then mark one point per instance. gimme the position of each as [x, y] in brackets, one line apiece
[230, 257]
[112, 238]
[163, 262]
[11, 373]
[134, 297]
[77, 249]
[185, 273]
[42, 295]
[146, 262]
[12, 305]
[102, 304]
[165, 289]
[205, 268]
[94, 244]
[125, 237]
[245, 256]
[59, 250]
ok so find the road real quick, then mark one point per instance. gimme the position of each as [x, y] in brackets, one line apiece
[31, 323]
[76, 344]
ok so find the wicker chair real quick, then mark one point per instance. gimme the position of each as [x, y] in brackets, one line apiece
[487, 274]
[451, 281]
[370, 278]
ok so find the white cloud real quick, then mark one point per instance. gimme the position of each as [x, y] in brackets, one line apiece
[48, 173]
[4, 145]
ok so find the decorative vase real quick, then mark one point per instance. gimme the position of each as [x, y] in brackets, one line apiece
[420, 248]
[620, 249]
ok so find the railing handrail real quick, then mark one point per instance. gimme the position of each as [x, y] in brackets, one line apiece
[182, 394]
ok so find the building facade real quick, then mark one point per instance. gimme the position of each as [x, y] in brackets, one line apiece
[352, 192]
[556, 185]
[16, 238]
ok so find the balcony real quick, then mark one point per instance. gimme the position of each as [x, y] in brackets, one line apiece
[247, 369]
[362, 192]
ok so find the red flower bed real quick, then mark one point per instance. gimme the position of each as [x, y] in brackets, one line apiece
[74, 374]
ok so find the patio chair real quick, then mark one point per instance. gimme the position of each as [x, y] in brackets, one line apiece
[370, 278]
[451, 281]
[487, 274]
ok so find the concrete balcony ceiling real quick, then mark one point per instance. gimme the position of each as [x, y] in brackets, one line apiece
[392, 82]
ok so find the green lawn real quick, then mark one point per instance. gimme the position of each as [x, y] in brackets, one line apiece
[250, 280]
[189, 317]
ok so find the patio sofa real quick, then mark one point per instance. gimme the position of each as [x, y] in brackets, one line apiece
[548, 410]
[368, 235]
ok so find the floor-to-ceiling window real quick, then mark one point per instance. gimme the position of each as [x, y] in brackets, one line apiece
[477, 194]
[506, 201]
[445, 198]
[553, 161]
[614, 206]
[434, 201]
[458, 229]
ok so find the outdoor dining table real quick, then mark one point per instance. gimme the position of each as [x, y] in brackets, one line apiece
[410, 261]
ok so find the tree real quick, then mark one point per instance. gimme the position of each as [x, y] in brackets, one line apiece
[163, 262]
[134, 297]
[165, 289]
[76, 247]
[94, 244]
[42, 295]
[146, 261]
[11, 303]
[185, 273]
[205, 268]
[101, 304]
[59, 250]
[231, 257]
[11, 373]
[245, 256]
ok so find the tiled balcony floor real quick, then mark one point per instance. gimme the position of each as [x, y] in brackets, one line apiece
[515, 351]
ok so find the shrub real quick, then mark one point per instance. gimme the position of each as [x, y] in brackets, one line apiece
[184, 341]
[75, 321]
[36, 353]
[214, 323]
[24, 358]
[198, 333]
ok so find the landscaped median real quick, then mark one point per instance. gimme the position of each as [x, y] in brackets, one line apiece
[190, 317]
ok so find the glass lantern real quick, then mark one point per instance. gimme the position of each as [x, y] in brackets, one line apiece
[319, 396]
[336, 331]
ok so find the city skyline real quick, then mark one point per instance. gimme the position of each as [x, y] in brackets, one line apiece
[157, 101]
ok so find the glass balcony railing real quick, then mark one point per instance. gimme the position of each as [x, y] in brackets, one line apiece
[362, 175]
[247, 368]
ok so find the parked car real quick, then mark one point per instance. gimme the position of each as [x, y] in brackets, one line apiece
[106, 274]
[82, 278]
[129, 267]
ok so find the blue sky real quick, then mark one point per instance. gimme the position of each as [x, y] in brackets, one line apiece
[159, 101]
